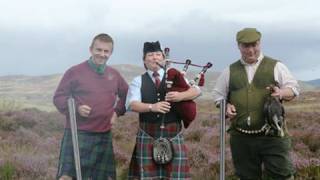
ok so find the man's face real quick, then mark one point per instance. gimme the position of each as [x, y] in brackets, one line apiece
[101, 51]
[152, 58]
[250, 51]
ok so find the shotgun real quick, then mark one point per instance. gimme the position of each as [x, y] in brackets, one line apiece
[74, 134]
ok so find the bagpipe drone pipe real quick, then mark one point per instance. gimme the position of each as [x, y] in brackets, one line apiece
[176, 81]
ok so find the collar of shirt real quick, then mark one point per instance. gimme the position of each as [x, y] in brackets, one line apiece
[261, 56]
[252, 68]
[160, 71]
[99, 69]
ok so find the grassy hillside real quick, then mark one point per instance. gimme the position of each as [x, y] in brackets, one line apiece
[37, 91]
[30, 141]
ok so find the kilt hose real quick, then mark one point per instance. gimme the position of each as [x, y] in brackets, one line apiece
[96, 156]
[142, 165]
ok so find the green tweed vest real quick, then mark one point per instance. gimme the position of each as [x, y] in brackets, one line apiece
[249, 98]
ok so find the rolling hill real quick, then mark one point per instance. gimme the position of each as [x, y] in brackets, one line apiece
[37, 91]
[315, 82]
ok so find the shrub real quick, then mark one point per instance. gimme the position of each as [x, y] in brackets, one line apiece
[194, 135]
[31, 166]
[7, 123]
[310, 172]
[7, 171]
[8, 105]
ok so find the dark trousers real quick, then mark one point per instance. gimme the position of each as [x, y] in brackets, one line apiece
[252, 154]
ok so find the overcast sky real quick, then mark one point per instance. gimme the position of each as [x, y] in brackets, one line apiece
[40, 37]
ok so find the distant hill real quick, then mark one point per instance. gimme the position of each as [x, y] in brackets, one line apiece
[306, 86]
[28, 91]
[315, 82]
[37, 91]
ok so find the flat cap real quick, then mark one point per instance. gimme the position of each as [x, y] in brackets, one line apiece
[248, 35]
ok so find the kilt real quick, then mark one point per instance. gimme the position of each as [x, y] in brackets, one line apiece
[96, 156]
[142, 165]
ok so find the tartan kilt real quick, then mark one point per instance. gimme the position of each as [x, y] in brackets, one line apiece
[96, 156]
[142, 165]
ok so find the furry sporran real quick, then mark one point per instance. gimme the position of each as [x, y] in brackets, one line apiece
[162, 151]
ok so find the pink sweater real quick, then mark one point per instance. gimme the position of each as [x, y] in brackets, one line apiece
[99, 92]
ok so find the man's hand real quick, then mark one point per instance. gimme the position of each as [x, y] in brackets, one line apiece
[162, 107]
[174, 96]
[231, 111]
[84, 110]
[276, 91]
[113, 118]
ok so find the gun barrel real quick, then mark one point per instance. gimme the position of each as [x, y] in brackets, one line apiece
[222, 138]
[74, 134]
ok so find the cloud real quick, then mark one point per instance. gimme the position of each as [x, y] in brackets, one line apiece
[45, 37]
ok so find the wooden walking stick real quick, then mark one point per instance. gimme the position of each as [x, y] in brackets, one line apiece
[74, 134]
[222, 137]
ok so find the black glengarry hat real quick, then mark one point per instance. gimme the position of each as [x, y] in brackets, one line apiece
[151, 47]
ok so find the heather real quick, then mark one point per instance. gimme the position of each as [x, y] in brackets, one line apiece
[30, 140]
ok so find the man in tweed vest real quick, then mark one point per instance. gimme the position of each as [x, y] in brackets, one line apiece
[244, 85]
[147, 96]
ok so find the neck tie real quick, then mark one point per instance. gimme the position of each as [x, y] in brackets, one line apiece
[157, 79]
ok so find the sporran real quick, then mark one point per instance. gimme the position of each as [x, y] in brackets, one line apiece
[162, 151]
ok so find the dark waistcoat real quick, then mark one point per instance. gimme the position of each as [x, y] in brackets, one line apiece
[150, 94]
[249, 98]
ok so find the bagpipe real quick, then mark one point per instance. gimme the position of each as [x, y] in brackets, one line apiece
[176, 81]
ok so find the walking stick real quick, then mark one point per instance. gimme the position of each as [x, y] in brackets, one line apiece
[222, 137]
[74, 134]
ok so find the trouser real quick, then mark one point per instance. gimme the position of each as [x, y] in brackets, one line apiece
[251, 153]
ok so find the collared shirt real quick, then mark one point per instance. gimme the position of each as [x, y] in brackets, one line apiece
[135, 86]
[134, 93]
[97, 68]
[281, 75]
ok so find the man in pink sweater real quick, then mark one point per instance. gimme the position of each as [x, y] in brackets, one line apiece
[100, 94]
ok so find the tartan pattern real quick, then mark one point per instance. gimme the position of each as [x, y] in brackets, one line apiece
[142, 165]
[153, 129]
[96, 156]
